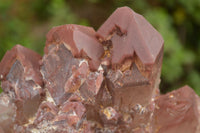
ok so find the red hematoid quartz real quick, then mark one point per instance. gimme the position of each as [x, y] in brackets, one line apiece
[94, 82]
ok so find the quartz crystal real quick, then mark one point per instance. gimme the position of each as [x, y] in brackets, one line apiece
[22, 84]
[94, 82]
[177, 111]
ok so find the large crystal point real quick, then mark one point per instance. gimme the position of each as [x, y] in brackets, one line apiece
[133, 49]
[133, 52]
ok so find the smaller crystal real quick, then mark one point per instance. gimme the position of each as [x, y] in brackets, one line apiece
[177, 112]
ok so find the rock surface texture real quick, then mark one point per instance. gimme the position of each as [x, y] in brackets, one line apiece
[94, 82]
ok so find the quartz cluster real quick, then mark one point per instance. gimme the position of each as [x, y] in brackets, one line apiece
[104, 81]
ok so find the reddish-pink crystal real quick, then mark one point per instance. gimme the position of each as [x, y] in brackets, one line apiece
[131, 34]
[80, 40]
[177, 111]
[22, 84]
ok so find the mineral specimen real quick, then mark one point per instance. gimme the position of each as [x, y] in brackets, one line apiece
[94, 82]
